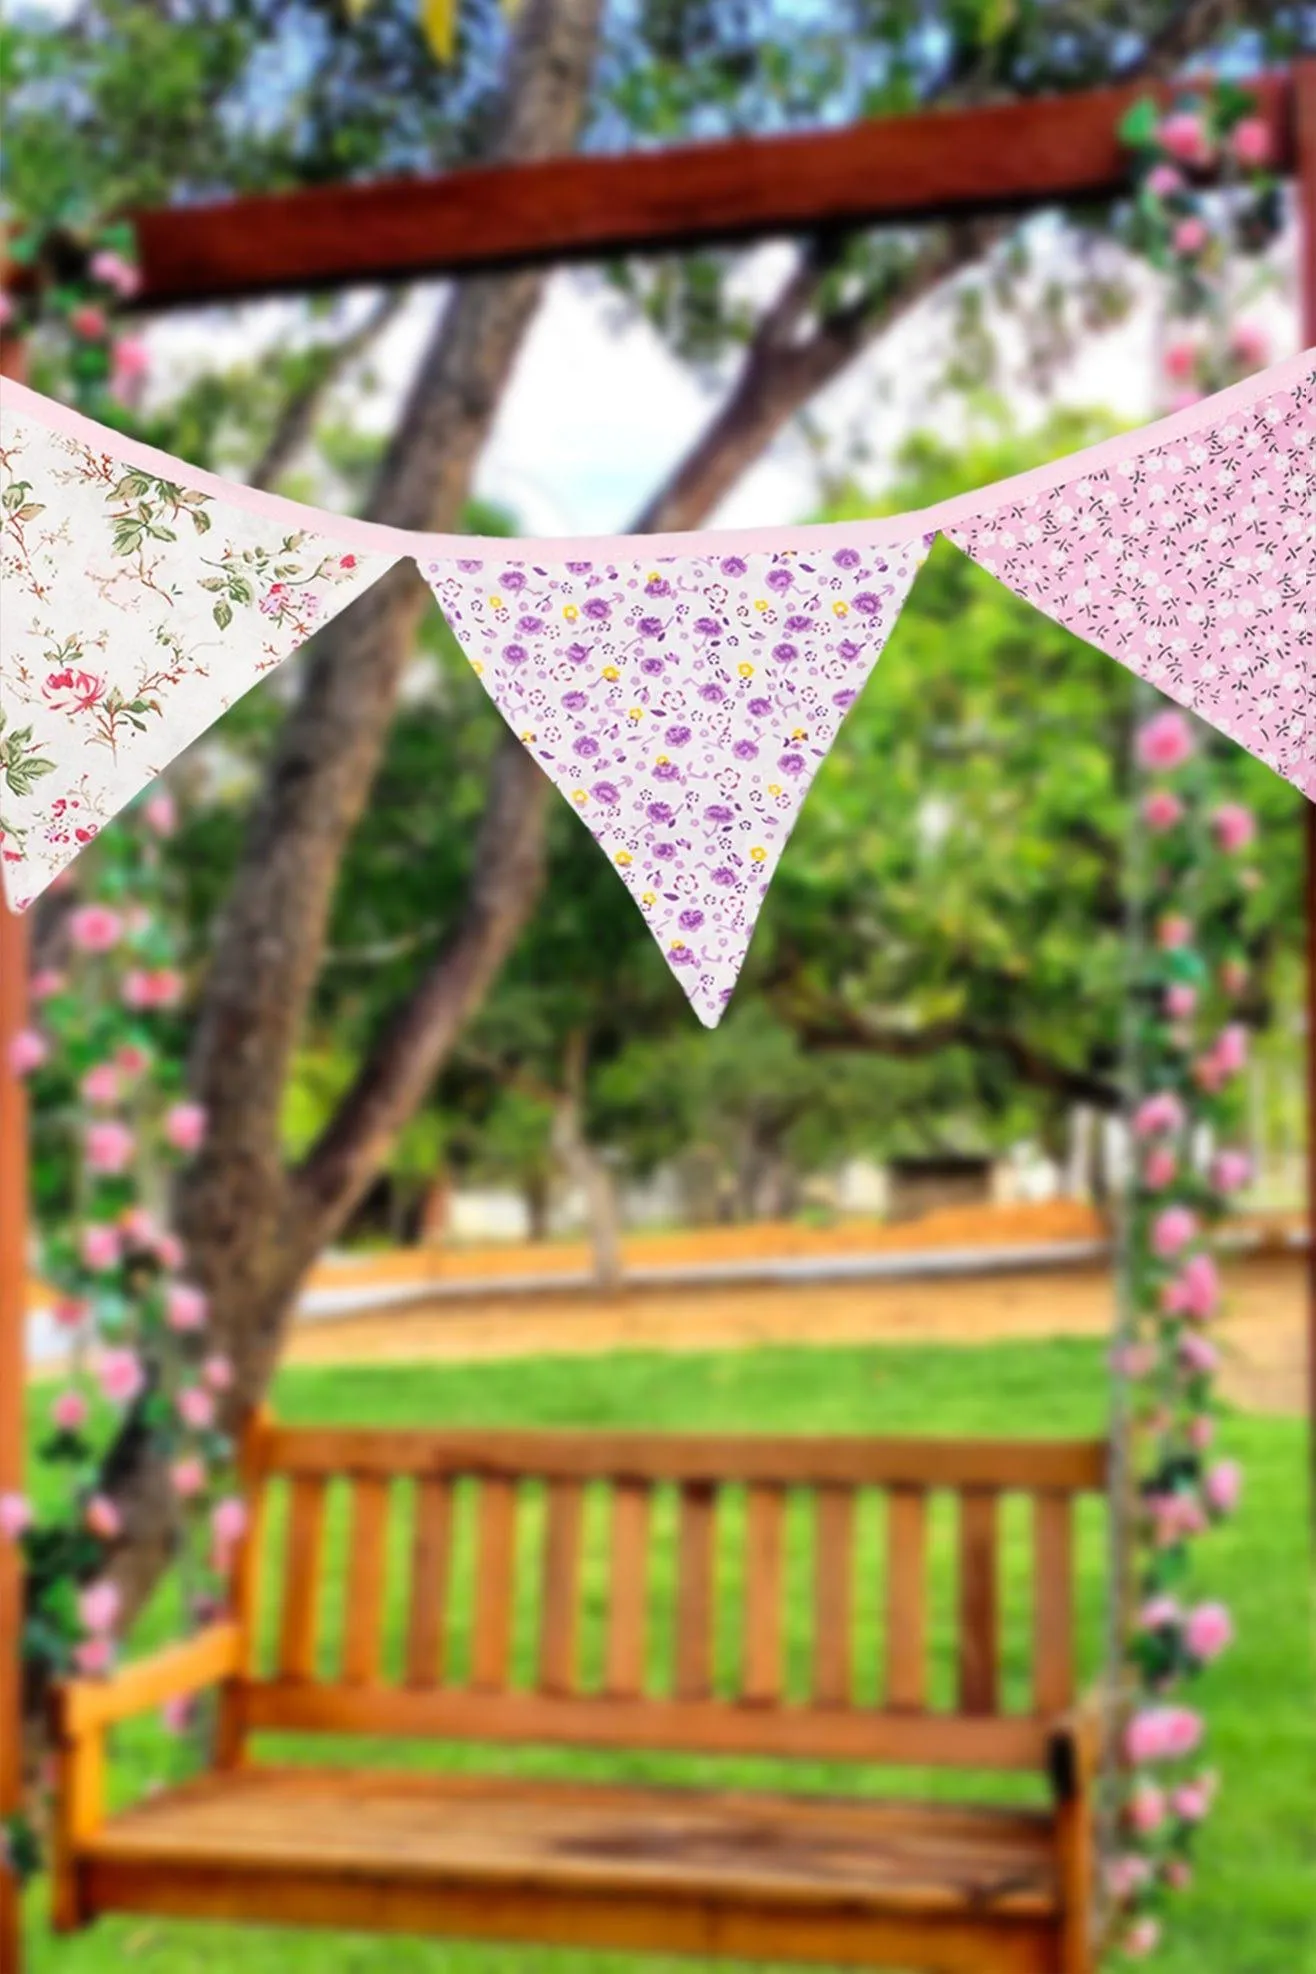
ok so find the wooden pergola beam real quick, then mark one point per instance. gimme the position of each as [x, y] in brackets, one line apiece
[1008, 157]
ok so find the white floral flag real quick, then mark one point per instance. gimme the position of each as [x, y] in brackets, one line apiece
[136, 607]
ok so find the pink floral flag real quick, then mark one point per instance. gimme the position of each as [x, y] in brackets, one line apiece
[1192, 561]
[136, 608]
[682, 704]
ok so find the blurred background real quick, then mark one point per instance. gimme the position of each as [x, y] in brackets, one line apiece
[880, 1195]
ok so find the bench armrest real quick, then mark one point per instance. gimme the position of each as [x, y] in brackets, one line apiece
[83, 1706]
[1076, 1746]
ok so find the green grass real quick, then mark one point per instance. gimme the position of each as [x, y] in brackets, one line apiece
[1250, 1911]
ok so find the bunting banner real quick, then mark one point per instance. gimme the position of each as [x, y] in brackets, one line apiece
[681, 691]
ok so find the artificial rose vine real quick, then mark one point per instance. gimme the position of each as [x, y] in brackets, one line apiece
[1190, 1050]
[80, 280]
[101, 1059]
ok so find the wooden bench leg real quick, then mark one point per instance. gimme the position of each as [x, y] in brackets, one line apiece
[80, 1808]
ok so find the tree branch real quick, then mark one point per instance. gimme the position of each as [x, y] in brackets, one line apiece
[301, 408]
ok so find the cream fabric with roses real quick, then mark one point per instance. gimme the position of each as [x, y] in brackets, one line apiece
[136, 609]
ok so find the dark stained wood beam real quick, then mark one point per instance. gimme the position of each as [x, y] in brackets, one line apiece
[1008, 157]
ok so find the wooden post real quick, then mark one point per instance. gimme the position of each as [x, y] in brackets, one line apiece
[13, 1313]
[1304, 121]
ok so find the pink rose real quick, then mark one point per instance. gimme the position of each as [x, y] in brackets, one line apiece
[1250, 142]
[1231, 1049]
[1174, 932]
[161, 813]
[185, 1127]
[1201, 1431]
[1165, 742]
[98, 1608]
[1159, 1613]
[129, 360]
[109, 1149]
[1190, 235]
[1162, 810]
[1181, 358]
[94, 1656]
[218, 1372]
[95, 928]
[1142, 1937]
[188, 1477]
[169, 1251]
[1224, 1486]
[70, 1311]
[1235, 827]
[1146, 1808]
[131, 1059]
[103, 1518]
[45, 984]
[100, 1086]
[1127, 1875]
[1180, 1001]
[1133, 1360]
[121, 1375]
[177, 1714]
[1198, 1355]
[186, 1308]
[1191, 1802]
[1207, 1631]
[1178, 1874]
[1250, 344]
[15, 1516]
[229, 1521]
[69, 1411]
[1165, 181]
[145, 992]
[196, 1408]
[1230, 1171]
[1162, 1113]
[27, 1051]
[100, 1247]
[1182, 135]
[1233, 977]
[115, 272]
[1172, 1230]
[1200, 1280]
[88, 322]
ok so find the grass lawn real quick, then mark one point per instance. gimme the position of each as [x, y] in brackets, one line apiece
[1251, 1910]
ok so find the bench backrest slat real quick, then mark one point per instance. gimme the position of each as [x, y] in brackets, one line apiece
[642, 1590]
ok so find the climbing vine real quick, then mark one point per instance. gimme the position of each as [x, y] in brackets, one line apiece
[1192, 879]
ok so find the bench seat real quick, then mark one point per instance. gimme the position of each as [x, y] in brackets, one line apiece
[704, 1872]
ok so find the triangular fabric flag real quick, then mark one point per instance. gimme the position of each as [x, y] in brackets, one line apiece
[137, 607]
[682, 704]
[1191, 561]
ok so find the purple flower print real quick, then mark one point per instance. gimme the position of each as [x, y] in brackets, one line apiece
[515, 654]
[469, 568]
[719, 814]
[530, 626]
[660, 812]
[665, 852]
[578, 653]
[575, 702]
[845, 700]
[798, 623]
[681, 956]
[867, 604]
[657, 586]
[586, 747]
[651, 667]
[745, 750]
[849, 650]
[513, 580]
[732, 566]
[780, 579]
[760, 708]
[597, 609]
[785, 654]
[651, 626]
[726, 878]
[712, 694]
[607, 793]
[677, 736]
[846, 558]
[690, 921]
[791, 764]
[666, 771]
[708, 627]
[580, 568]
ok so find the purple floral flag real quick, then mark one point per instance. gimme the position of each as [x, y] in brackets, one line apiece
[136, 608]
[682, 705]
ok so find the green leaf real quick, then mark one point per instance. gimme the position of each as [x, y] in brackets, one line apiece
[223, 614]
[1138, 125]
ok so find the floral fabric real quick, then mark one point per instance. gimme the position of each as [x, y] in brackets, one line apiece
[683, 705]
[680, 692]
[136, 609]
[1192, 563]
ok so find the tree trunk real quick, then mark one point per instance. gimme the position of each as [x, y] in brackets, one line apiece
[587, 1171]
[250, 1228]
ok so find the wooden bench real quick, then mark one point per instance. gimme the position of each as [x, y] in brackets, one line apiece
[625, 1592]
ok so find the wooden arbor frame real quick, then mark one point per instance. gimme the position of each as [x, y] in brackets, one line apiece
[1014, 157]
